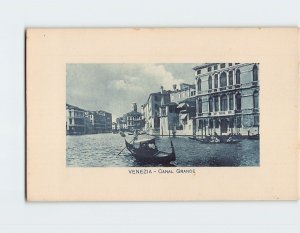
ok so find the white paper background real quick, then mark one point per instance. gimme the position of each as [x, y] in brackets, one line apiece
[18, 216]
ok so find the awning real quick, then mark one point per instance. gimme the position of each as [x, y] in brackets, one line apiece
[183, 116]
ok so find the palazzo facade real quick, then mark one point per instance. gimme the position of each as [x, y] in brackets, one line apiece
[227, 98]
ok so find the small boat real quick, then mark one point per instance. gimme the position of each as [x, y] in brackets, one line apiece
[216, 140]
[253, 137]
[130, 133]
[146, 150]
[122, 134]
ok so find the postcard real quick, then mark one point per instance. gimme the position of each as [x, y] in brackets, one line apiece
[162, 114]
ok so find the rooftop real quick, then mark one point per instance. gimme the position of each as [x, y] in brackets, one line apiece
[204, 65]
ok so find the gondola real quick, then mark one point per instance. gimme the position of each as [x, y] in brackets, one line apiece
[253, 137]
[146, 150]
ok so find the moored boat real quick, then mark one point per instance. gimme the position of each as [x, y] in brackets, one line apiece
[146, 150]
[254, 137]
[215, 140]
[122, 134]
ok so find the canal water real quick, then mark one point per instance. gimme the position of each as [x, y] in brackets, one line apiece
[101, 150]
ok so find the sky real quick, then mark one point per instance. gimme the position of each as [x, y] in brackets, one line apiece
[113, 87]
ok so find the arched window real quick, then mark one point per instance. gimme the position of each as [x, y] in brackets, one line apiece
[216, 81]
[238, 101]
[216, 98]
[223, 80]
[209, 82]
[210, 103]
[200, 106]
[224, 102]
[230, 78]
[231, 107]
[255, 99]
[255, 73]
[238, 77]
[199, 84]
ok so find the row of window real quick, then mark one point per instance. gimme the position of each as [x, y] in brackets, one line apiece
[231, 123]
[215, 67]
[134, 118]
[223, 79]
[227, 102]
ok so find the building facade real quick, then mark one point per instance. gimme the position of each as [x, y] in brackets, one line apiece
[80, 121]
[178, 116]
[98, 122]
[184, 92]
[121, 124]
[187, 113]
[151, 111]
[227, 98]
[133, 120]
[75, 120]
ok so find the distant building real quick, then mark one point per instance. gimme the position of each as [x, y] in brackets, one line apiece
[99, 121]
[178, 115]
[80, 121]
[75, 120]
[121, 124]
[133, 120]
[227, 98]
[184, 92]
[169, 119]
[114, 127]
[187, 113]
[151, 111]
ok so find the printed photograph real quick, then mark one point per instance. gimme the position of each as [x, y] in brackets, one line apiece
[162, 115]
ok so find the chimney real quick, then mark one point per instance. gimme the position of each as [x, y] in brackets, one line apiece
[161, 89]
[134, 107]
[174, 87]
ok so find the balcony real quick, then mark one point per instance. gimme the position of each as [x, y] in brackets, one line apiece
[229, 88]
[223, 113]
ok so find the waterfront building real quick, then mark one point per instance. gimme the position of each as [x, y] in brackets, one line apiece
[99, 121]
[185, 97]
[133, 120]
[187, 113]
[81, 121]
[121, 124]
[75, 120]
[227, 98]
[177, 116]
[151, 111]
[168, 117]
[114, 126]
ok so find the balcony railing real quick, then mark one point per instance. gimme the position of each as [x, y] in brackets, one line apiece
[231, 87]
